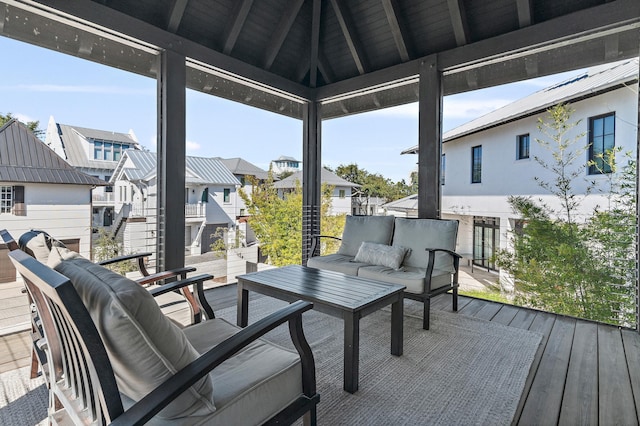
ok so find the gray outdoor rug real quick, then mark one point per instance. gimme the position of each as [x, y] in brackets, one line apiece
[463, 371]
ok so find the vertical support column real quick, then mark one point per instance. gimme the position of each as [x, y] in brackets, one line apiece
[637, 230]
[311, 176]
[171, 160]
[429, 138]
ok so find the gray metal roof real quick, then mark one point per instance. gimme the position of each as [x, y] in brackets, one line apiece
[240, 166]
[74, 138]
[26, 159]
[405, 204]
[199, 170]
[328, 177]
[590, 83]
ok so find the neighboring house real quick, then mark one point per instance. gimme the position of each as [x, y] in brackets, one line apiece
[367, 206]
[94, 152]
[340, 197]
[285, 165]
[39, 190]
[487, 159]
[244, 171]
[210, 199]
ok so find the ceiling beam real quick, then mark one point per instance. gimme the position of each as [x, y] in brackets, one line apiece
[177, 12]
[283, 28]
[325, 68]
[620, 15]
[235, 25]
[398, 28]
[459, 21]
[315, 43]
[525, 13]
[348, 31]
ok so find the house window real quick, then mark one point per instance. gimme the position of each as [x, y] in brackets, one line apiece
[601, 141]
[476, 164]
[341, 193]
[443, 163]
[227, 195]
[108, 151]
[6, 199]
[242, 212]
[522, 148]
[108, 188]
[12, 200]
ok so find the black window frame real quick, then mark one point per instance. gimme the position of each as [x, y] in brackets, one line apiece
[523, 149]
[476, 164]
[597, 166]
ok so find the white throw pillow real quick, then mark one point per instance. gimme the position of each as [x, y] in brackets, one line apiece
[144, 347]
[381, 254]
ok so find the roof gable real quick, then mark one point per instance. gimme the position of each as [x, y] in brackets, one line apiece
[328, 177]
[25, 158]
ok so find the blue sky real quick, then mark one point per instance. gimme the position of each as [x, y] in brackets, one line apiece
[40, 83]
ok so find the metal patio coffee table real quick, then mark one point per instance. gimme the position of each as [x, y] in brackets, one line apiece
[333, 293]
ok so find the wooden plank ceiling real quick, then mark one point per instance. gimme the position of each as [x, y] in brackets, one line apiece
[324, 49]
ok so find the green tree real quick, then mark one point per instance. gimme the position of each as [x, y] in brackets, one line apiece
[557, 264]
[277, 222]
[373, 184]
[106, 247]
[32, 125]
[222, 244]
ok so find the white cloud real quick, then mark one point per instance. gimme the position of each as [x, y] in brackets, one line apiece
[470, 109]
[192, 146]
[57, 88]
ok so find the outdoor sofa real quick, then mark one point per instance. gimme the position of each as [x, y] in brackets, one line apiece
[417, 253]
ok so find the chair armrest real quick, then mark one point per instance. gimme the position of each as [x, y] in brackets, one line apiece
[198, 289]
[159, 276]
[152, 403]
[315, 241]
[432, 259]
[139, 257]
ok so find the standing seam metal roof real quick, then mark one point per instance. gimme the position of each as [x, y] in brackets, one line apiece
[594, 80]
[25, 158]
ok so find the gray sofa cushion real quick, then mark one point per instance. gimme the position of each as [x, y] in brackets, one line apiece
[411, 277]
[336, 263]
[420, 234]
[375, 229]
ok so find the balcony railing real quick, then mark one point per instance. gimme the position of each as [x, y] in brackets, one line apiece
[195, 210]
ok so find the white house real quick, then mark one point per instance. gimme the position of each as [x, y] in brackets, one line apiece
[492, 157]
[210, 199]
[340, 197]
[285, 164]
[39, 190]
[244, 171]
[94, 152]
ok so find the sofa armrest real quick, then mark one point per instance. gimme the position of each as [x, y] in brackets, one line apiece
[432, 259]
[315, 243]
[150, 405]
[138, 257]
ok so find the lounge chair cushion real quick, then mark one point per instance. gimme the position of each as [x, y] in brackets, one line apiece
[420, 234]
[144, 347]
[38, 244]
[381, 254]
[410, 277]
[375, 229]
[336, 263]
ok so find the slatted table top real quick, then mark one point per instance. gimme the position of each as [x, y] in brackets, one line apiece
[335, 289]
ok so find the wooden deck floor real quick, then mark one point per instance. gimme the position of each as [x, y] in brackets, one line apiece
[584, 373]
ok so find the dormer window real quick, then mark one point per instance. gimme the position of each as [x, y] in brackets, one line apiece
[108, 151]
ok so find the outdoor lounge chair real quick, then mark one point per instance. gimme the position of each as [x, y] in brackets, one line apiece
[38, 244]
[116, 359]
